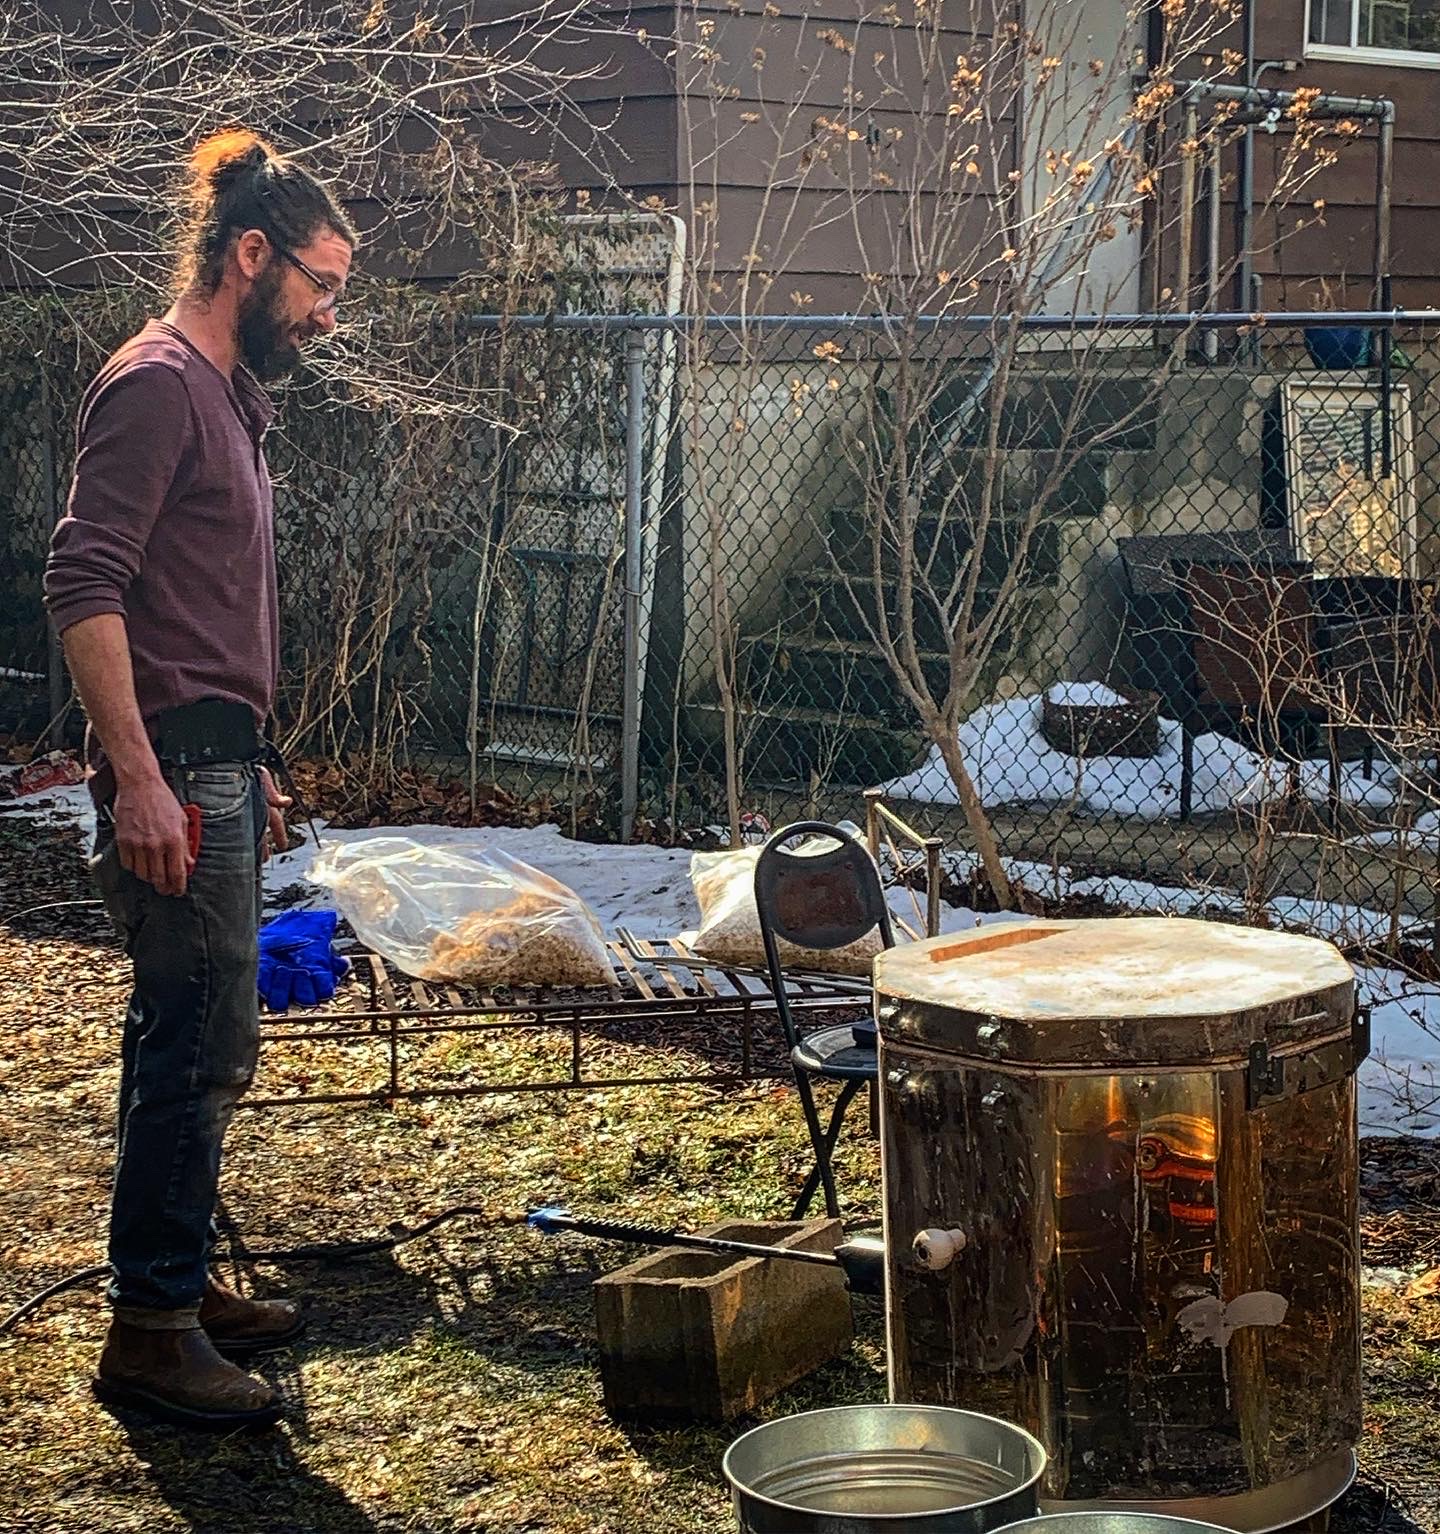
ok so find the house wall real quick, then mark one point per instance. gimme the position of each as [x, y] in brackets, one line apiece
[1088, 34]
[724, 136]
[1202, 474]
[772, 191]
[1295, 248]
[771, 490]
[616, 124]
[1342, 245]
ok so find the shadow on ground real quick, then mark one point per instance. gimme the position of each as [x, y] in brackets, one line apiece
[259, 1481]
[1371, 1507]
[247, 1482]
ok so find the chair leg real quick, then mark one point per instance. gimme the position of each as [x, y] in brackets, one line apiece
[1187, 773]
[1334, 796]
[807, 1193]
[821, 1173]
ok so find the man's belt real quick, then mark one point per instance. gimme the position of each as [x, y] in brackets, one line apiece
[211, 730]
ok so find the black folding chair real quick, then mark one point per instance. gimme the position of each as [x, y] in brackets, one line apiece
[821, 900]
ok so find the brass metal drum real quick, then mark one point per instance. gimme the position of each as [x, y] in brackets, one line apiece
[1120, 1202]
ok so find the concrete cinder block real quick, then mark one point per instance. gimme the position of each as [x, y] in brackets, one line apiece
[700, 1337]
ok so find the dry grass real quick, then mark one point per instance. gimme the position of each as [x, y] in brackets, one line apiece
[452, 1384]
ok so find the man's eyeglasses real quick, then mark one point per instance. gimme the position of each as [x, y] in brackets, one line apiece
[333, 295]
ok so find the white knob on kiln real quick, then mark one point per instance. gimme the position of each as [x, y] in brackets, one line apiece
[937, 1249]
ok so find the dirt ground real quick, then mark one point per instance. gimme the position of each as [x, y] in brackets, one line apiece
[452, 1384]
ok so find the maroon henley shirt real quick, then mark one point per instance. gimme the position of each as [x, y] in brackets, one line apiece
[169, 524]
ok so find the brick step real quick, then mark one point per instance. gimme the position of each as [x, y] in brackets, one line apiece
[945, 542]
[822, 604]
[838, 675]
[783, 746]
[1054, 410]
[1059, 484]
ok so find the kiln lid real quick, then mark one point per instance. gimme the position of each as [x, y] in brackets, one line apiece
[1137, 991]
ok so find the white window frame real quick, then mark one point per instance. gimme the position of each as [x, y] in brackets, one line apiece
[1355, 53]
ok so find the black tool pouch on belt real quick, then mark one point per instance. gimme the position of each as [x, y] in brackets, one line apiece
[212, 730]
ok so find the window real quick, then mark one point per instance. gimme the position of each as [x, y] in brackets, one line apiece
[1404, 31]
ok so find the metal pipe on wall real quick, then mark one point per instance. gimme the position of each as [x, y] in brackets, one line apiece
[1324, 104]
[1377, 108]
[633, 574]
[1212, 255]
[1382, 297]
[1245, 179]
[1384, 162]
[1187, 207]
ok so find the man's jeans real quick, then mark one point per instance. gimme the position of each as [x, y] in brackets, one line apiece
[192, 1033]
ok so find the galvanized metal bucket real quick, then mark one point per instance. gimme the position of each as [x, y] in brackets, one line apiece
[883, 1469]
[1110, 1523]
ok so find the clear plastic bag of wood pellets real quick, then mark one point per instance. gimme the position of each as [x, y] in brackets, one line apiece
[464, 916]
[729, 933]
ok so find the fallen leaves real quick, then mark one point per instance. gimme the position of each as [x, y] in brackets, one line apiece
[1425, 1287]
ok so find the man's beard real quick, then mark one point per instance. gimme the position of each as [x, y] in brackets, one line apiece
[266, 342]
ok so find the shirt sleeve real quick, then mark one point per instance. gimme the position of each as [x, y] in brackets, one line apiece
[136, 443]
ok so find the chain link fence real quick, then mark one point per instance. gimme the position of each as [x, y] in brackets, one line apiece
[30, 468]
[1149, 602]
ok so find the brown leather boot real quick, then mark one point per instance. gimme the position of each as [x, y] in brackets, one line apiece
[174, 1373]
[239, 1326]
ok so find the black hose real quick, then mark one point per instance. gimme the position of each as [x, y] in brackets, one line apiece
[85, 1275]
[50, 905]
[337, 1251]
[340, 1251]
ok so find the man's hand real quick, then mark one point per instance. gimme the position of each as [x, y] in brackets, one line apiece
[149, 823]
[277, 838]
[150, 833]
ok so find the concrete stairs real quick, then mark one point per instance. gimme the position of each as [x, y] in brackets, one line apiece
[817, 693]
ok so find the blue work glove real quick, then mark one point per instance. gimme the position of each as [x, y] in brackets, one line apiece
[298, 963]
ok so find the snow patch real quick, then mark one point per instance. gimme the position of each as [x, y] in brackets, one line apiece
[1013, 764]
[647, 890]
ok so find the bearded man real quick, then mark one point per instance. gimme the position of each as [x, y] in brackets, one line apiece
[161, 583]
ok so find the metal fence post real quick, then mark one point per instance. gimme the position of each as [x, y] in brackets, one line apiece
[634, 508]
[54, 656]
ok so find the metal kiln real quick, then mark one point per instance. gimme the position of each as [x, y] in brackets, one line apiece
[1120, 1203]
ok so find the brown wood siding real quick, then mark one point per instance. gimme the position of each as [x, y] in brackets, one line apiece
[749, 143]
[814, 232]
[841, 214]
[629, 129]
[1336, 241]
[620, 127]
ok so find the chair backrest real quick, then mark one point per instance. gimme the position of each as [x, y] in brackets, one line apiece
[1151, 565]
[1255, 635]
[820, 898]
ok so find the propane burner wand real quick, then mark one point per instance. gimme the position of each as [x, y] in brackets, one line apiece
[861, 1259]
